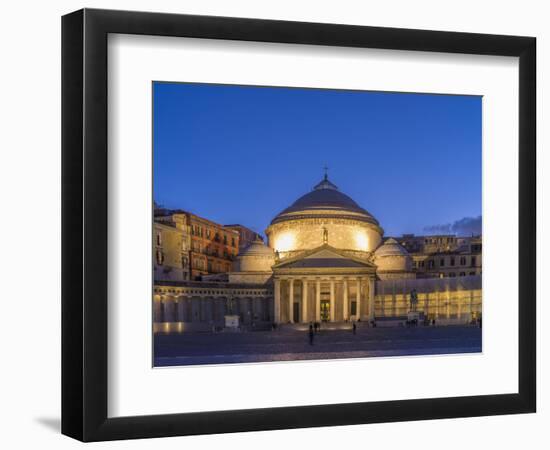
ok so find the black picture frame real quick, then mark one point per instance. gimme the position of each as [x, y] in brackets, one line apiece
[84, 224]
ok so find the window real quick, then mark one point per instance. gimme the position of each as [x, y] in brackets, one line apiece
[422, 263]
[462, 274]
[476, 248]
[452, 274]
[208, 233]
[472, 273]
[225, 239]
[473, 261]
[431, 264]
[232, 242]
[452, 261]
[462, 261]
[442, 262]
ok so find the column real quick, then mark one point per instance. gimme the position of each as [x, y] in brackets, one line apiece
[426, 304]
[169, 308]
[358, 300]
[277, 301]
[291, 302]
[459, 307]
[156, 311]
[256, 309]
[181, 308]
[332, 302]
[345, 287]
[318, 301]
[371, 298]
[195, 309]
[244, 308]
[448, 309]
[304, 301]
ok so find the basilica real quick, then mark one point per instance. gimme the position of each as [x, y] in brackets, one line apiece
[326, 260]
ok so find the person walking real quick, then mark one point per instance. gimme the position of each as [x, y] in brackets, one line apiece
[311, 334]
[354, 327]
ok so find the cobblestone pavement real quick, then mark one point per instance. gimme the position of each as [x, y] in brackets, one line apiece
[290, 345]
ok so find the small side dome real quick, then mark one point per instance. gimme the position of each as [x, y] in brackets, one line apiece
[257, 257]
[392, 257]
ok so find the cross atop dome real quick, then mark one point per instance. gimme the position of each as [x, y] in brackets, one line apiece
[325, 183]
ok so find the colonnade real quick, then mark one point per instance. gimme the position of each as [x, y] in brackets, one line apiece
[316, 298]
[183, 308]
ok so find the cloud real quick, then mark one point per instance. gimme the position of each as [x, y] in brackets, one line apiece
[462, 227]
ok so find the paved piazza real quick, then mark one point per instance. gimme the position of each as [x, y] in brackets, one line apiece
[289, 345]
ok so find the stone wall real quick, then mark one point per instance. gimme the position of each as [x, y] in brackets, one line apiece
[306, 234]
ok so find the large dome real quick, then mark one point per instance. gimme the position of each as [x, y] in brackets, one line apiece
[324, 216]
[325, 197]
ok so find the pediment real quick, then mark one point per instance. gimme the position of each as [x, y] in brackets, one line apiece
[324, 253]
[324, 257]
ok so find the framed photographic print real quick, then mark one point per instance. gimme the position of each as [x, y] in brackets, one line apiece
[273, 224]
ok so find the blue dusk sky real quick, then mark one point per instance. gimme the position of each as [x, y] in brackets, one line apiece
[241, 154]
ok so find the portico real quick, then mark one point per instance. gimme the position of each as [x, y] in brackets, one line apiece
[323, 285]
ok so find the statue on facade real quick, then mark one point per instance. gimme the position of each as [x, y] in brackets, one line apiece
[325, 236]
[414, 300]
[230, 301]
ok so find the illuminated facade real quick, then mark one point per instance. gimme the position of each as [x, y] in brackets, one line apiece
[326, 261]
[171, 247]
[211, 248]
